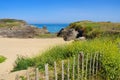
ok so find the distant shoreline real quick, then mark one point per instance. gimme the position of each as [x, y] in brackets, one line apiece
[52, 28]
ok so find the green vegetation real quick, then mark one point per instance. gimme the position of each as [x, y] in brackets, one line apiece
[108, 47]
[11, 23]
[23, 63]
[51, 35]
[2, 59]
[105, 41]
[10, 20]
[96, 29]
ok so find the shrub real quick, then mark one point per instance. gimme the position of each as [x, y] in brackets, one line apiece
[23, 63]
[2, 59]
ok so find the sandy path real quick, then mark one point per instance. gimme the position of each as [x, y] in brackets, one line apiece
[10, 48]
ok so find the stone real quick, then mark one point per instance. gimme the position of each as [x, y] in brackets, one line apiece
[70, 34]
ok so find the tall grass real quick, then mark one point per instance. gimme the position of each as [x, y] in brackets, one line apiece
[96, 29]
[49, 35]
[109, 48]
[23, 63]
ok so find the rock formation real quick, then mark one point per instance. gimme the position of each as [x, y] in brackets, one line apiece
[69, 34]
[88, 29]
[13, 28]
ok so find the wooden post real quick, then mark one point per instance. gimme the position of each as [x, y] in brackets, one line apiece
[100, 58]
[17, 77]
[36, 74]
[97, 63]
[27, 75]
[78, 66]
[93, 68]
[68, 72]
[74, 68]
[62, 69]
[55, 71]
[86, 70]
[46, 72]
[90, 66]
[82, 59]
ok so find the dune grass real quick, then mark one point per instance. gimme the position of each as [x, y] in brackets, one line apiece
[2, 59]
[103, 38]
[96, 29]
[108, 47]
[50, 35]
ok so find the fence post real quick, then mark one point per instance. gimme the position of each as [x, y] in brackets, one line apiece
[36, 74]
[90, 66]
[68, 72]
[86, 67]
[62, 69]
[74, 67]
[27, 75]
[93, 68]
[97, 63]
[82, 60]
[100, 58]
[55, 71]
[46, 72]
[78, 66]
[17, 77]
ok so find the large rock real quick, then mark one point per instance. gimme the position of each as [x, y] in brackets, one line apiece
[69, 34]
[19, 29]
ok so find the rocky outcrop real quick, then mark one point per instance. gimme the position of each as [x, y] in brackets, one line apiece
[89, 30]
[19, 29]
[69, 34]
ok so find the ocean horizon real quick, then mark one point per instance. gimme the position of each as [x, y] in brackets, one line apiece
[52, 28]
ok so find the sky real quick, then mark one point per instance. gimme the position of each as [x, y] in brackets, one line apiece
[60, 11]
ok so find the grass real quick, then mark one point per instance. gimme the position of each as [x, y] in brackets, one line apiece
[2, 59]
[51, 35]
[23, 63]
[9, 23]
[96, 29]
[105, 39]
[108, 47]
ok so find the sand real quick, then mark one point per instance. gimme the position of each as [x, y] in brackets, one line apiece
[12, 47]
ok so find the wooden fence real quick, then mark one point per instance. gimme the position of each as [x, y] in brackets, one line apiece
[80, 67]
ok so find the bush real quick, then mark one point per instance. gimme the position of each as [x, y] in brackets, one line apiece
[23, 63]
[2, 59]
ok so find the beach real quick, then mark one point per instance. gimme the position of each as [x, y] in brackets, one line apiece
[11, 48]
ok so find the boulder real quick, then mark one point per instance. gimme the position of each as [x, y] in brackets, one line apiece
[69, 34]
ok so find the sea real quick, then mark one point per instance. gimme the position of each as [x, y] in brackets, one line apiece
[52, 28]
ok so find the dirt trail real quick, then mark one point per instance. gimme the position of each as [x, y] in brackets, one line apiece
[11, 48]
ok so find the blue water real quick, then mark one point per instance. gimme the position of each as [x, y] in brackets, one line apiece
[52, 28]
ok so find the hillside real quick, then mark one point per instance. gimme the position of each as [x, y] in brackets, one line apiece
[95, 29]
[11, 22]
[19, 29]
